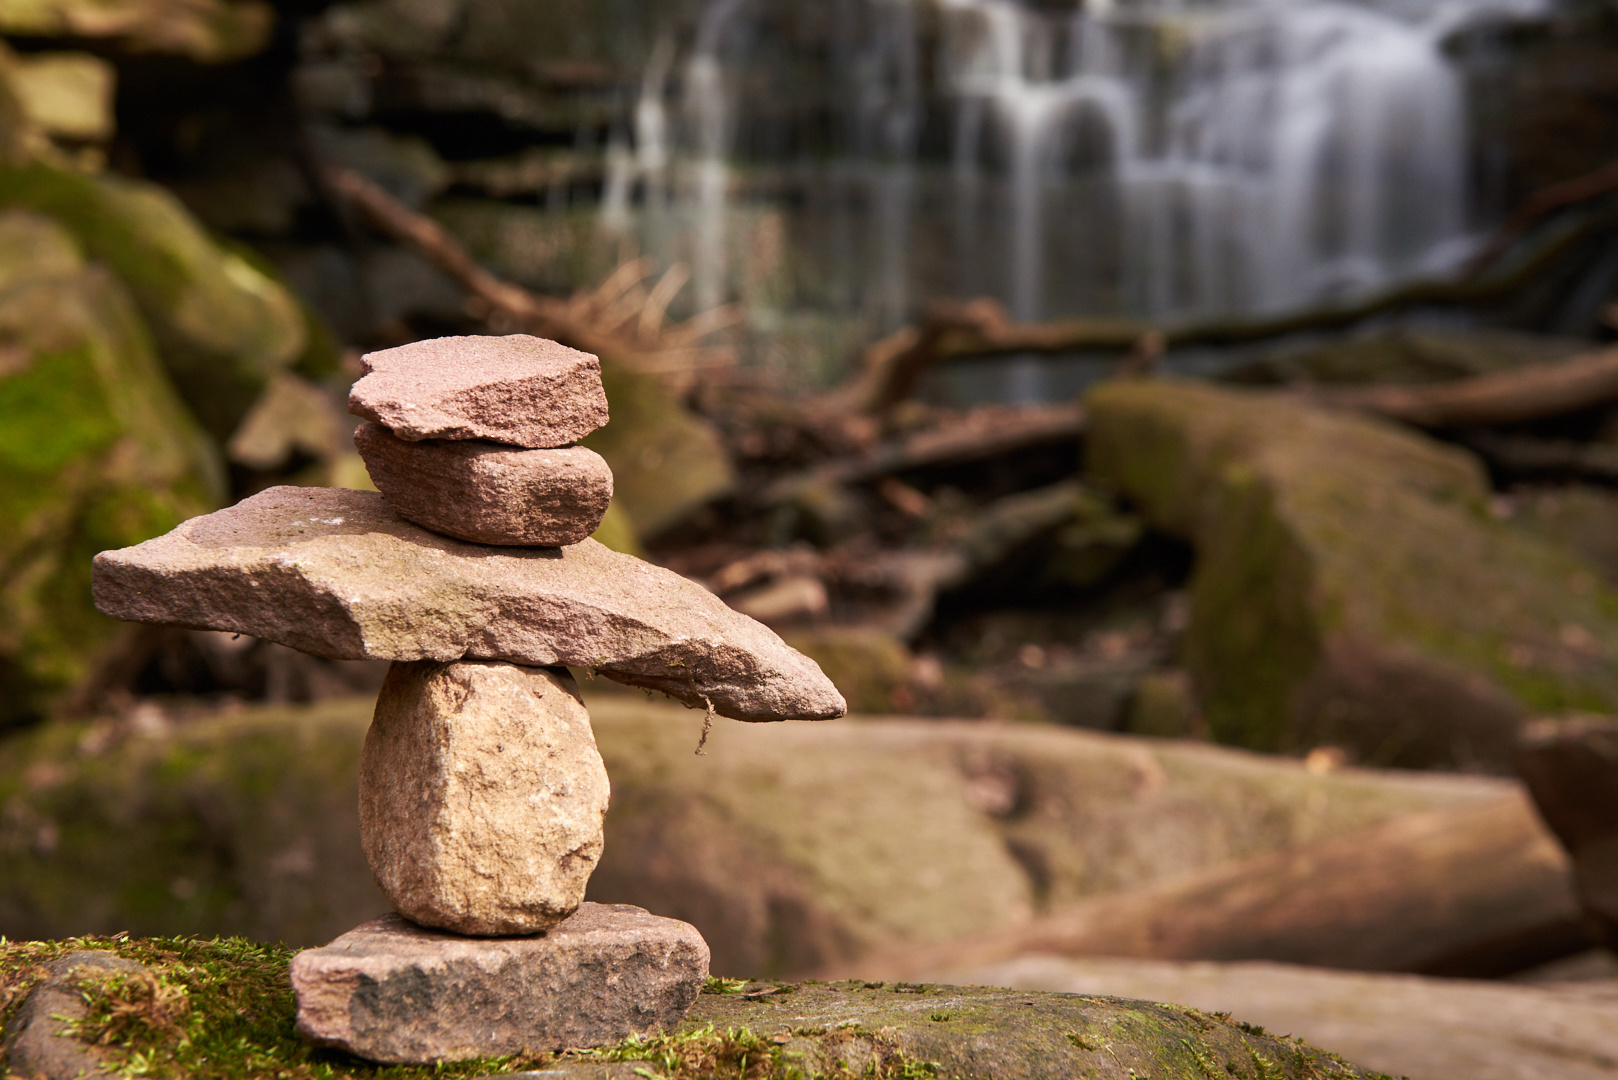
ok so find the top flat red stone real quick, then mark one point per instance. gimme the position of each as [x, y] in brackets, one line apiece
[518, 390]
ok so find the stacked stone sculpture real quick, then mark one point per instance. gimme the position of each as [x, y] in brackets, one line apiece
[482, 794]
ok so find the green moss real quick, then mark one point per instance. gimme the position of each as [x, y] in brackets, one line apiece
[223, 1008]
[222, 326]
[215, 1009]
[96, 452]
[869, 667]
[665, 461]
[1350, 586]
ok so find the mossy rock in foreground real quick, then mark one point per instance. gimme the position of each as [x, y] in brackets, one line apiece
[224, 1008]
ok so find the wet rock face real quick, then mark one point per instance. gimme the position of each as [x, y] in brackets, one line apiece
[482, 796]
[487, 493]
[393, 992]
[1350, 587]
[334, 573]
[518, 390]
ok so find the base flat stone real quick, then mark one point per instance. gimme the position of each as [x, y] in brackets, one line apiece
[392, 991]
[488, 493]
[336, 573]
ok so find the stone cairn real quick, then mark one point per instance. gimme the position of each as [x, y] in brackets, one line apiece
[482, 794]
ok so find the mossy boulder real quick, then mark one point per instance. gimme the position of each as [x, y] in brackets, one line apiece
[1351, 587]
[869, 667]
[666, 461]
[246, 824]
[223, 327]
[790, 846]
[96, 452]
[224, 1009]
[209, 31]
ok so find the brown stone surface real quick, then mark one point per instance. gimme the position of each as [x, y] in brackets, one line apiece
[335, 573]
[517, 389]
[1403, 1025]
[34, 1046]
[481, 796]
[488, 493]
[394, 992]
[1571, 768]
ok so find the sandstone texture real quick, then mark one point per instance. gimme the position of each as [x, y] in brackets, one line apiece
[1351, 587]
[1571, 767]
[519, 390]
[391, 991]
[481, 796]
[488, 493]
[34, 1043]
[335, 573]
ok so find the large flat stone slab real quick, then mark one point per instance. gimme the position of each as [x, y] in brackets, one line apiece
[1351, 588]
[1404, 1025]
[488, 493]
[516, 389]
[392, 991]
[336, 573]
[481, 796]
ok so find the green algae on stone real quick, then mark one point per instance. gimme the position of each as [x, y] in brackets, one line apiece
[855, 1028]
[230, 1013]
[1350, 586]
[223, 1009]
[222, 326]
[241, 824]
[96, 451]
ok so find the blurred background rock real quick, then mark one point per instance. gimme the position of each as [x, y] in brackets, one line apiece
[1026, 364]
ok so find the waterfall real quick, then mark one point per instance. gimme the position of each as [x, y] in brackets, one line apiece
[1163, 158]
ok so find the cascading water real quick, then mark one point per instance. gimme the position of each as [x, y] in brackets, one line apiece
[1165, 158]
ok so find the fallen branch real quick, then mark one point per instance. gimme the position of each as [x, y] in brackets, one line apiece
[1519, 454]
[980, 433]
[593, 322]
[1542, 203]
[891, 368]
[1527, 393]
[1475, 890]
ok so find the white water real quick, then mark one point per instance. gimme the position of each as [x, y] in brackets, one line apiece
[1155, 157]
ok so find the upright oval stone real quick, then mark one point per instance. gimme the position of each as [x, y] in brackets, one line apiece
[482, 796]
